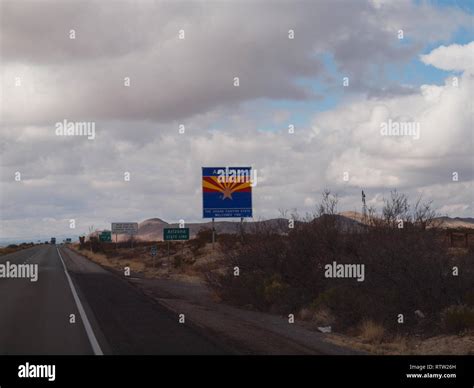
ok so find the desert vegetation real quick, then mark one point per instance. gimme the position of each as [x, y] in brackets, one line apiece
[414, 283]
[15, 247]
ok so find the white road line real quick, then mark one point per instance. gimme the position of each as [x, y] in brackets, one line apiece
[90, 333]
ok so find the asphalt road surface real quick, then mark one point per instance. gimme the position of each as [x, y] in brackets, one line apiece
[111, 316]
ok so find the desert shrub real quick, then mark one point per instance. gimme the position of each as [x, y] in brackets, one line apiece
[178, 261]
[242, 290]
[274, 290]
[345, 303]
[371, 331]
[203, 237]
[323, 316]
[229, 241]
[406, 270]
[457, 318]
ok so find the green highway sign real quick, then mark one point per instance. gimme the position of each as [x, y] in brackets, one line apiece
[175, 234]
[105, 236]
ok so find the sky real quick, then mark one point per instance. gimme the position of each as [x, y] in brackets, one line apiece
[346, 69]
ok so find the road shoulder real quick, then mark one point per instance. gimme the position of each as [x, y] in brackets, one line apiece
[243, 331]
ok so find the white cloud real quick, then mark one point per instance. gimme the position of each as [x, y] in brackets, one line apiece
[444, 115]
[452, 58]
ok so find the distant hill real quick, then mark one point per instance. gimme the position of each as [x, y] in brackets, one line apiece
[446, 222]
[457, 222]
[152, 229]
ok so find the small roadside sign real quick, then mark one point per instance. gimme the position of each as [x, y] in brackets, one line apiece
[105, 236]
[125, 228]
[170, 234]
[154, 250]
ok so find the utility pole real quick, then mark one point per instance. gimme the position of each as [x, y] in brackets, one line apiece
[364, 208]
[213, 234]
[91, 229]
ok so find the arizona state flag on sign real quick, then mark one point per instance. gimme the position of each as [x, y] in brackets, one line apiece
[227, 192]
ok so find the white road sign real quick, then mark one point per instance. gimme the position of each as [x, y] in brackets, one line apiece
[124, 227]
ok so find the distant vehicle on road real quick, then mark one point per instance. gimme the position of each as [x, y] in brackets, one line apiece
[53, 240]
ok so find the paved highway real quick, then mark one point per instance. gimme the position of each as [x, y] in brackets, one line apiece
[112, 317]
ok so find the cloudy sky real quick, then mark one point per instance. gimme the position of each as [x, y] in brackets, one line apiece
[346, 68]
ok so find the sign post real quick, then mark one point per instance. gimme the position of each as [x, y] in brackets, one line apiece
[153, 252]
[129, 228]
[172, 234]
[213, 234]
[105, 236]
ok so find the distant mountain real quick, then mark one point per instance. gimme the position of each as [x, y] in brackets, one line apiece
[152, 229]
[457, 222]
[446, 222]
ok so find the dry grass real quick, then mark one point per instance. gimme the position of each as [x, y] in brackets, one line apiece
[371, 332]
[182, 261]
[398, 345]
[135, 264]
[6, 251]
[447, 344]
[13, 248]
[408, 345]
[323, 317]
[98, 258]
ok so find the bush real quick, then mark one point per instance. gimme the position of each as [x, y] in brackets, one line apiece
[203, 237]
[178, 261]
[229, 241]
[371, 331]
[406, 269]
[274, 290]
[344, 303]
[457, 318]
